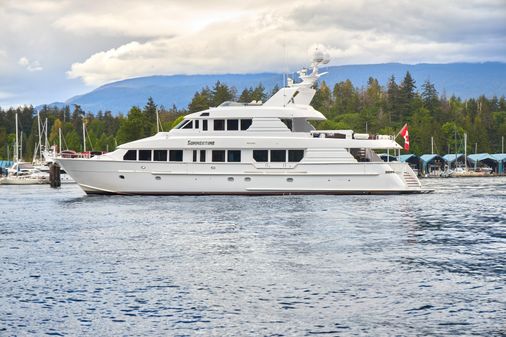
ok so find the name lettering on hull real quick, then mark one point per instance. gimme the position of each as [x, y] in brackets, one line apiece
[201, 142]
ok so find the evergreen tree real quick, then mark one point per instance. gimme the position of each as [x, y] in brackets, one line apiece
[245, 96]
[322, 100]
[406, 96]
[202, 100]
[133, 127]
[222, 93]
[150, 112]
[393, 105]
[258, 94]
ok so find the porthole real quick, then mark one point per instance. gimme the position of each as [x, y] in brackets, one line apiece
[143, 167]
[230, 179]
[289, 180]
[158, 178]
[122, 176]
[248, 179]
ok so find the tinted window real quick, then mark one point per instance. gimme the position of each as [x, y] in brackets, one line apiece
[203, 156]
[219, 124]
[204, 125]
[160, 155]
[188, 126]
[176, 155]
[218, 155]
[288, 123]
[234, 156]
[261, 155]
[145, 155]
[295, 155]
[278, 156]
[232, 124]
[245, 124]
[194, 155]
[196, 124]
[130, 155]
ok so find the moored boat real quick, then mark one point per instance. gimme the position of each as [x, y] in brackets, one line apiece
[252, 149]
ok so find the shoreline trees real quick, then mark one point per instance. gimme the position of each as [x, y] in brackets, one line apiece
[373, 108]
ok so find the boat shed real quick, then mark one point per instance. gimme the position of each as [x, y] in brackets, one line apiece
[4, 165]
[501, 162]
[454, 159]
[432, 164]
[478, 160]
[413, 160]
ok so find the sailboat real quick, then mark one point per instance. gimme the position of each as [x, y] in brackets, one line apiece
[47, 155]
[23, 173]
[465, 171]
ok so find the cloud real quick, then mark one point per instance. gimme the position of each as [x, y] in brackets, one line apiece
[30, 66]
[277, 37]
[155, 18]
[101, 41]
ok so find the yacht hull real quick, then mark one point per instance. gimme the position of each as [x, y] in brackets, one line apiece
[150, 178]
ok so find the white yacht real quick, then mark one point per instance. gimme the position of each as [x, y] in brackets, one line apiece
[250, 149]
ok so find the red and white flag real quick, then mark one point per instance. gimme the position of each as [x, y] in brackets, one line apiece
[405, 134]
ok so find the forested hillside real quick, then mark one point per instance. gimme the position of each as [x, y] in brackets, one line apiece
[373, 108]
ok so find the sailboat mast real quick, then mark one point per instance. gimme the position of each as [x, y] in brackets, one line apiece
[16, 151]
[84, 135]
[465, 150]
[59, 141]
[431, 145]
[45, 140]
[40, 137]
[157, 122]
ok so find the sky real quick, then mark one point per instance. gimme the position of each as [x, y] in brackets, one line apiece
[51, 50]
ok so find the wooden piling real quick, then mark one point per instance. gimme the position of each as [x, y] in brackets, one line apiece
[54, 175]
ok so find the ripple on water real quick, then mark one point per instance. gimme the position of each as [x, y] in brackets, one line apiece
[274, 266]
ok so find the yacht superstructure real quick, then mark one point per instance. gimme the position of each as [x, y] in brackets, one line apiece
[252, 149]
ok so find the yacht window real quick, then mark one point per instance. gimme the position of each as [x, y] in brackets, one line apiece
[182, 124]
[218, 155]
[196, 124]
[160, 155]
[232, 124]
[245, 124]
[261, 155]
[188, 125]
[176, 155]
[278, 156]
[130, 155]
[295, 155]
[234, 156]
[194, 155]
[219, 124]
[203, 156]
[288, 123]
[205, 114]
[204, 125]
[145, 155]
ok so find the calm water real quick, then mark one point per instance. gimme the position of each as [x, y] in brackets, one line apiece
[412, 265]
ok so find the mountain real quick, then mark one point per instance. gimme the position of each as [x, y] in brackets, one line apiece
[465, 80]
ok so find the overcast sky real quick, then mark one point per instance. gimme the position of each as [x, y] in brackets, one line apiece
[51, 50]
